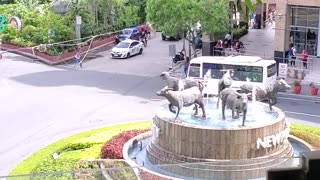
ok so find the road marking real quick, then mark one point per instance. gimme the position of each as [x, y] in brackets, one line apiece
[304, 114]
[299, 95]
[297, 99]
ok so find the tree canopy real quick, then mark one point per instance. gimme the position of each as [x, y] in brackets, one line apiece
[179, 15]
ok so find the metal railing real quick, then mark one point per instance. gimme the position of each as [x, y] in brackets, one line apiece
[298, 63]
[249, 168]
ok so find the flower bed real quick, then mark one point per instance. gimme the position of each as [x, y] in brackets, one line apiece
[54, 60]
[113, 148]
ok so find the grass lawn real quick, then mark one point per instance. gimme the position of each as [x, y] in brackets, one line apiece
[85, 145]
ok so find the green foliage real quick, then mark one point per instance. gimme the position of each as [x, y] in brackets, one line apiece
[141, 6]
[88, 175]
[170, 16]
[126, 16]
[124, 173]
[307, 133]
[9, 34]
[238, 33]
[215, 17]
[86, 145]
[176, 16]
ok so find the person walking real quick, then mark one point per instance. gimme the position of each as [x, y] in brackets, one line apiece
[304, 58]
[77, 58]
[228, 39]
[186, 66]
[292, 56]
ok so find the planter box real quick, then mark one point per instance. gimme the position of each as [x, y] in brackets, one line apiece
[54, 60]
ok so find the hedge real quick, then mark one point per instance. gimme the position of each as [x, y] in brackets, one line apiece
[238, 33]
[85, 145]
[309, 134]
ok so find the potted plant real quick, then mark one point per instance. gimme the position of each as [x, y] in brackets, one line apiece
[313, 89]
[297, 87]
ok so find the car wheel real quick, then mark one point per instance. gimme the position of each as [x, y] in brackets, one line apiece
[140, 51]
[128, 55]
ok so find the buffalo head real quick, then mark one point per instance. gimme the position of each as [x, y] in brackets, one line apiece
[163, 91]
[165, 75]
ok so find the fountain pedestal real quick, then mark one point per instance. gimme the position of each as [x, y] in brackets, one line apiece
[209, 151]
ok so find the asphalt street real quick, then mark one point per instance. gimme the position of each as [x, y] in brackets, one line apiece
[42, 104]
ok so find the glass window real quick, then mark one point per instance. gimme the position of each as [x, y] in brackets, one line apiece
[240, 72]
[272, 70]
[194, 70]
[212, 70]
[123, 45]
[313, 17]
[300, 17]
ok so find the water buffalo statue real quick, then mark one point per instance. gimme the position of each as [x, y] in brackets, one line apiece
[175, 83]
[184, 98]
[224, 82]
[237, 102]
[266, 91]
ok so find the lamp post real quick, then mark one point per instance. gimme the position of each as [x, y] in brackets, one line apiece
[77, 21]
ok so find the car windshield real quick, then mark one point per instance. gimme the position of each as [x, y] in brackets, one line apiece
[123, 45]
[126, 31]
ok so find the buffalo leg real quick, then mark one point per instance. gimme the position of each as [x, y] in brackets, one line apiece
[196, 109]
[171, 108]
[244, 117]
[223, 109]
[272, 102]
[203, 110]
[177, 113]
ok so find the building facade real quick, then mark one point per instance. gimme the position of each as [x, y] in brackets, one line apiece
[297, 23]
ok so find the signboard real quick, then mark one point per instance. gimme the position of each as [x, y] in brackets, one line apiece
[15, 22]
[273, 140]
[283, 70]
[3, 22]
[78, 20]
[172, 50]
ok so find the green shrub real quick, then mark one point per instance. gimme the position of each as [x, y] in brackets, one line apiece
[8, 34]
[93, 172]
[123, 173]
[309, 134]
[55, 165]
[238, 33]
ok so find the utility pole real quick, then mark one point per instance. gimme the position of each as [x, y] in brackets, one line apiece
[77, 22]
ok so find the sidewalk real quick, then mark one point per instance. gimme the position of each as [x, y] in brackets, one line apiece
[260, 42]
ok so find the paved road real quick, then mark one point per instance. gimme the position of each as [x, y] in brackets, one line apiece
[42, 104]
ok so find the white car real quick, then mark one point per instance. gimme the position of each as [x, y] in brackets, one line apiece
[127, 48]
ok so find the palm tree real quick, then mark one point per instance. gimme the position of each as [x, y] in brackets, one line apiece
[249, 4]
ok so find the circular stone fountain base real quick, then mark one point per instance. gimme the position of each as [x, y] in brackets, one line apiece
[208, 147]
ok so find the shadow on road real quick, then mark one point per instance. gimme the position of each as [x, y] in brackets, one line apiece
[124, 84]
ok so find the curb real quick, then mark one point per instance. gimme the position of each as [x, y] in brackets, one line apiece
[129, 145]
[315, 98]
